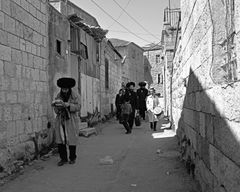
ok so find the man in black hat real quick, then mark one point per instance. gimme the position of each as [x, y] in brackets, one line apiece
[142, 94]
[131, 96]
[66, 106]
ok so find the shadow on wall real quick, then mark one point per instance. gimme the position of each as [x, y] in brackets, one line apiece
[209, 148]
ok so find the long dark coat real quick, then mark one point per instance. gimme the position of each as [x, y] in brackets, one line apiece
[132, 96]
[142, 94]
[71, 125]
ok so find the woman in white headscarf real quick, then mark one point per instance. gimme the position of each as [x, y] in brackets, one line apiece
[152, 102]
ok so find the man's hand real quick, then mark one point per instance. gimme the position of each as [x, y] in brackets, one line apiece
[66, 104]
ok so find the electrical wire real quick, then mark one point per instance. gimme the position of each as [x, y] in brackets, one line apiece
[120, 14]
[116, 31]
[119, 23]
[135, 20]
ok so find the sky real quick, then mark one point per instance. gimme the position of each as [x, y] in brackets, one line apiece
[146, 19]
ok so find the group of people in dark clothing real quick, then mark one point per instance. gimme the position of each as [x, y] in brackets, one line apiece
[130, 103]
[67, 107]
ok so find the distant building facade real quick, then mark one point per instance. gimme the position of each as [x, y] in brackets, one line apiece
[154, 55]
[171, 35]
[147, 72]
[133, 60]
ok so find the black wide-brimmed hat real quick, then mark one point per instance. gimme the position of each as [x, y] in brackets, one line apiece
[142, 84]
[66, 82]
[129, 84]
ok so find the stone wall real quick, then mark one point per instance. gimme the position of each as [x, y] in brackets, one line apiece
[156, 69]
[24, 92]
[133, 66]
[59, 63]
[206, 93]
[108, 95]
[147, 72]
[136, 63]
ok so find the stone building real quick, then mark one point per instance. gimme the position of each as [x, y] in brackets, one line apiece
[90, 58]
[147, 72]
[59, 49]
[206, 92]
[110, 76]
[171, 34]
[39, 43]
[133, 61]
[25, 113]
[154, 54]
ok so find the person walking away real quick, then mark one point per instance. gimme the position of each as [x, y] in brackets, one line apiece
[132, 96]
[118, 103]
[66, 106]
[152, 102]
[126, 110]
[142, 94]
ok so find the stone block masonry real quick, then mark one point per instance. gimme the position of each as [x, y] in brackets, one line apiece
[24, 93]
[206, 93]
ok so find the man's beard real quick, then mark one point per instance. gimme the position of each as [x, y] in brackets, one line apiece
[65, 95]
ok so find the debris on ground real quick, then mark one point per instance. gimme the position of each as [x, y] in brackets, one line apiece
[45, 157]
[86, 132]
[106, 160]
[159, 151]
[168, 173]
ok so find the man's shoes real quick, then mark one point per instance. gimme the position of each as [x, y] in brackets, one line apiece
[72, 161]
[61, 163]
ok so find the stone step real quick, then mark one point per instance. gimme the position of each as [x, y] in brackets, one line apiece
[83, 125]
[86, 132]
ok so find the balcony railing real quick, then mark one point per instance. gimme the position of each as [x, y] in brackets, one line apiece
[171, 16]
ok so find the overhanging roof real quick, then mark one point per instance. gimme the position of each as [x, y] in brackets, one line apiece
[96, 32]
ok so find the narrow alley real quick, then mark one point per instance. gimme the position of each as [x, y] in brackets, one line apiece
[68, 67]
[143, 161]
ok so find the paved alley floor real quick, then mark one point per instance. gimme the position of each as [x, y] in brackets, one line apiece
[137, 166]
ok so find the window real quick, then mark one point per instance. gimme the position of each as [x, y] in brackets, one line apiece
[229, 46]
[77, 46]
[75, 39]
[134, 54]
[160, 79]
[158, 58]
[97, 53]
[58, 47]
[83, 51]
[106, 73]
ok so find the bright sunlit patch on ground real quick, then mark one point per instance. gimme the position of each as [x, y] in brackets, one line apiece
[165, 134]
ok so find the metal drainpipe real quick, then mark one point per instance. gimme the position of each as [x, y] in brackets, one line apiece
[171, 75]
